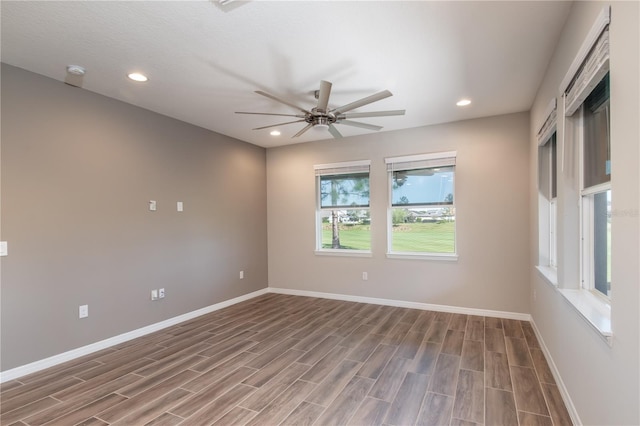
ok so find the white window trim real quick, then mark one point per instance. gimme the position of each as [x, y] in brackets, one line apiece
[594, 309]
[596, 312]
[344, 253]
[346, 165]
[553, 234]
[548, 211]
[603, 19]
[334, 169]
[417, 255]
[548, 126]
[447, 257]
[587, 238]
[549, 274]
[421, 157]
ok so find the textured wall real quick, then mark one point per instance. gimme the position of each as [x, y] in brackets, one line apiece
[492, 214]
[78, 170]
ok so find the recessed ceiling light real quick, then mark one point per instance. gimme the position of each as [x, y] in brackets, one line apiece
[275, 133]
[137, 77]
[463, 102]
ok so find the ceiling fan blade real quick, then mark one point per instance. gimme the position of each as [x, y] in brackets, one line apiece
[323, 95]
[304, 129]
[372, 114]
[268, 113]
[282, 101]
[334, 132]
[359, 124]
[276, 125]
[364, 101]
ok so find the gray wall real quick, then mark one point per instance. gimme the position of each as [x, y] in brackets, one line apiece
[78, 170]
[492, 213]
[603, 381]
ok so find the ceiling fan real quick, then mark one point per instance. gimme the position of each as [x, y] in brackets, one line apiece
[321, 117]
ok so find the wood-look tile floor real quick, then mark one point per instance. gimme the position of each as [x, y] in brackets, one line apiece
[280, 359]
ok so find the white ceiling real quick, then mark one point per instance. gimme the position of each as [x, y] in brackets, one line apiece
[204, 60]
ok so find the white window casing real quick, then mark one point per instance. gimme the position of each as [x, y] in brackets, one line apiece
[361, 166]
[589, 66]
[586, 72]
[549, 125]
[417, 162]
[421, 161]
[326, 171]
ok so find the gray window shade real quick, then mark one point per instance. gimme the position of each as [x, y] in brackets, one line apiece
[423, 179]
[592, 70]
[544, 175]
[596, 140]
[418, 162]
[547, 168]
[338, 170]
[343, 185]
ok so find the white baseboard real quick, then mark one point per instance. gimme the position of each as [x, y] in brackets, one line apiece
[556, 375]
[121, 338]
[404, 304]
[33, 367]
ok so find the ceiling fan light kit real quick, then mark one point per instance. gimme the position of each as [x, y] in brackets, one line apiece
[322, 118]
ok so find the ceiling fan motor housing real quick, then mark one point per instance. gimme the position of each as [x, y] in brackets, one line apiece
[320, 119]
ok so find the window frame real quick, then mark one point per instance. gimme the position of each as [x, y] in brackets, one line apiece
[547, 137]
[438, 159]
[588, 68]
[587, 213]
[335, 169]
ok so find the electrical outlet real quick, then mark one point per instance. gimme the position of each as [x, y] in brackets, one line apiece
[241, 275]
[83, 311]
[161, 293]
[153, 206]
[365, 276]
[154, 294]
[535, 295]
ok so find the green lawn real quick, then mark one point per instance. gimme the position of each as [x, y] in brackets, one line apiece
[407, 237]
[352, 237]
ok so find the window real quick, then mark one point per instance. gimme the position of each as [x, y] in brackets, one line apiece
[553, 202]
[596, 190]
[343, 221]
[553, 211]
[587, 104]
[548, 189]
[585, 192]
[421, 212]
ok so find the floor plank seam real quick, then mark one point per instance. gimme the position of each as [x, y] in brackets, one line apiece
[392, 358]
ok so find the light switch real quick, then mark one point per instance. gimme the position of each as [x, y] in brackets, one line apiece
[4, 250]
[83, 311]
[180, 207]
[152, 205]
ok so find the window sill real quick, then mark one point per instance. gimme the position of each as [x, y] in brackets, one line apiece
[593, 309]
[549, 274]
[344, 253]
[447, 257]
